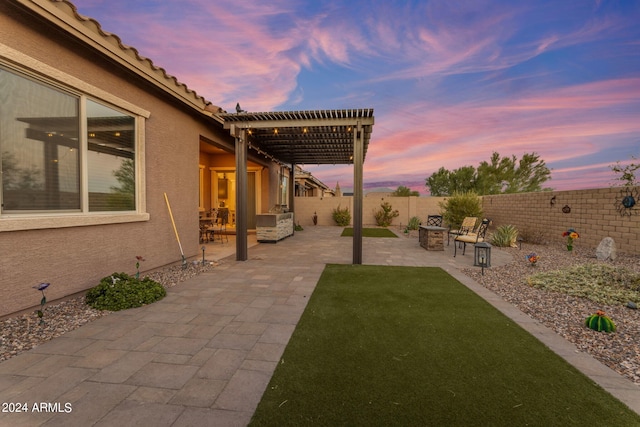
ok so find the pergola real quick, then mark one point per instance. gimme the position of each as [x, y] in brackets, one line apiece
[300, 137]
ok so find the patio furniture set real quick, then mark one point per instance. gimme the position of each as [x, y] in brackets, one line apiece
[214, 224]
[471, 231]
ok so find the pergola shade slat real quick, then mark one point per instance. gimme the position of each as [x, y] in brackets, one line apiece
[318, 136]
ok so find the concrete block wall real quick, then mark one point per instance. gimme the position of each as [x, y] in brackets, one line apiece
[593, 213]
[305, 207]
[407, 207]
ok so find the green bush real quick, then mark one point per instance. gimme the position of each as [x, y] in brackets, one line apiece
[505, 236]
[342, 217]
[384, 217]
[414, 223]
[459, 206]
[121, 291]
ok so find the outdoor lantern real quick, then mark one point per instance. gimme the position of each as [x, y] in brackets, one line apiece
[482, 255]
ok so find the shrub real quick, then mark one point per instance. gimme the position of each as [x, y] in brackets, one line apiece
[414, 223]
[459, 206]
[384, 217]
[505, 236]
[342, 217]
[121, 291]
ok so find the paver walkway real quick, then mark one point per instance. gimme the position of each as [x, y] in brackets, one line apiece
[204, 355]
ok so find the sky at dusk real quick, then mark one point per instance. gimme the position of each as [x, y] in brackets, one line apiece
[450, 81]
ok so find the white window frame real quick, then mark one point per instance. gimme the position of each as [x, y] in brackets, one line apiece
[31, 68]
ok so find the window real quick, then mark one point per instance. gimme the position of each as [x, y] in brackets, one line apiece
[62, 152]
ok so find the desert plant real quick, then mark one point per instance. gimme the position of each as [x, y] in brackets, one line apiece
[121, 291]
[600, 322]
[414, 223]
[505, 236]
[459, 206]
[601, 283]
[384, 217]
[342, 217]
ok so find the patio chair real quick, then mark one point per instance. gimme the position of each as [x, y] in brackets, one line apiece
[475, 237]
[204, 233]
[206, 224]
[434, 220]
[467, 226]
[222, 220]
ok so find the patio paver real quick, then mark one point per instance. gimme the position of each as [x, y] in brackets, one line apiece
[205, 354]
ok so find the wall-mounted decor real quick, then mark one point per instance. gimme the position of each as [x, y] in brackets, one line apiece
[627, 203]
[566, 209]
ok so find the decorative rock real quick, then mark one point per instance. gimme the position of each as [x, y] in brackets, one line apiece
[606, 250]
[632, 305]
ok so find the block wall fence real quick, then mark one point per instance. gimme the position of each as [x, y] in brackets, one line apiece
[593, 213]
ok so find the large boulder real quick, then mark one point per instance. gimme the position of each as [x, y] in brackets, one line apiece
[606, 250]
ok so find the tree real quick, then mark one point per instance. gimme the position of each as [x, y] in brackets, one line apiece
[16, 178]
[123, 197]
[126, 176]
[445, 182]
[403, 191]
[498, 175]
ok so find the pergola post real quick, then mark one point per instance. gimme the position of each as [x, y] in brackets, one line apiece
[292, 194]
[241, 194]
[358, 160]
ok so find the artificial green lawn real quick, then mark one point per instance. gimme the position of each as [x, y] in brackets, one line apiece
[409, 346]
[370, 232]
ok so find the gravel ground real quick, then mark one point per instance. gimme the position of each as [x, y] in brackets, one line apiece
[561, 313]
[566, 314]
